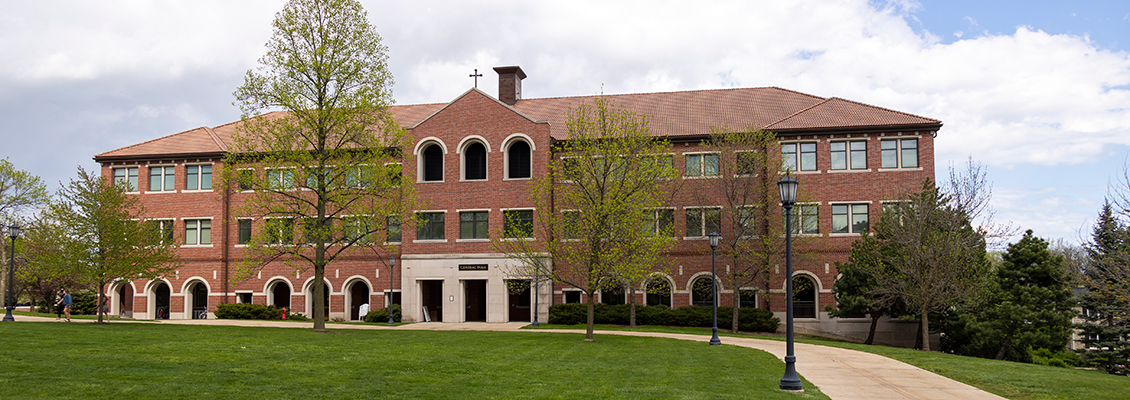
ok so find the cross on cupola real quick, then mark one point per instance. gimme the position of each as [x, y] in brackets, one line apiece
[476, 75]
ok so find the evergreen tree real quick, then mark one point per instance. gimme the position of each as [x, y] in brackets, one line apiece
[1106, 301]
[855, 288]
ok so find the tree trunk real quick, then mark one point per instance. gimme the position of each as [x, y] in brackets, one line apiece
[737, 301]
[925, 330]
[874, 323]
[588, 330]
[918, 337]
[98, 303]
[632, 307]
[1006, 344]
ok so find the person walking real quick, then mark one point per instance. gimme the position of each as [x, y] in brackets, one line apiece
[66, 303]
[59, 305]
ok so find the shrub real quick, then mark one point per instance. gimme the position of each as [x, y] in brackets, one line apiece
[1060, 359]
[83, 303]
[749, 319]
[381, 315]
[250, 311]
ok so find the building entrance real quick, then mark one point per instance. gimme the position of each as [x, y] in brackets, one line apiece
[125, 301]
[161, 295]
[431, 298]
[475, 296]
[280, 295]
[199, 301]
[519, 300]
[358, 295]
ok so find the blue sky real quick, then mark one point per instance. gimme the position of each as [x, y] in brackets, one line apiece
[1037, 91]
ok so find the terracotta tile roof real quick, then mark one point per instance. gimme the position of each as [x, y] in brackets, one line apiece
[837, 113]
[671, 114]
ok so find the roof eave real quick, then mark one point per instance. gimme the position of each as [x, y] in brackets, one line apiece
[162, 156]
[859, 129]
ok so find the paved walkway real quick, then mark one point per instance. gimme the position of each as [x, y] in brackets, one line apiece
[839, 373]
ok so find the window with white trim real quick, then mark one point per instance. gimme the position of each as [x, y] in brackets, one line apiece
[899, 153]
[518, 223]
[806, 219]
[429, 226]
[849, 218]
[392, 227]
[246, 178]
[701, 221]
[798, 156]
[702, 164]
[571, 224]
[848, 155]
[162, 178]
[198, 177]
[518, 160]
[746, 163]
[279, 231]
[162, 229]
[197, 232]
[660, 223]
[474, 225]
[746, 220]
[280, 179]
[127, 175]
[475, 162]
[431, 163]
[244, 232]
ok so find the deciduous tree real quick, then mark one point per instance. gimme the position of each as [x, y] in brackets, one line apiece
[598, 205]
[327, 164]
[105, 237]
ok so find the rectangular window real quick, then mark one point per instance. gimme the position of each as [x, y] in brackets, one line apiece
[746, 163]
[197, 231]
[518, 223]
[313, 233]
[849, 218]
[356, 229]
[702, 164]
[661, 223]
[280, 231]
[799, 156]
[394, 172]
[899, 153]
[571, 224]
[324, 174]
[746, 221]
[246, 178]
[703, 221]
[162, 228]
[280, 179]
[127, 176]
[748, 298]
[845, 154]
[392, 225]
[161, 178]
[429, 226]
[244, 231]
[473, 225]
[570, 168]
[198, 177]
[806, 219]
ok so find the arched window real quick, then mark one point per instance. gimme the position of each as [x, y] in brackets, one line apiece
[475, 162]
[432, 163]
[280, 294]
[658, 292]
[701, 291]
[804, 297]
[518, 160]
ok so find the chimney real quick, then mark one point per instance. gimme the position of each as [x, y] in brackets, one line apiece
[510, 84]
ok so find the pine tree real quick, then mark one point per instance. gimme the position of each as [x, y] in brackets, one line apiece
[1106, 302]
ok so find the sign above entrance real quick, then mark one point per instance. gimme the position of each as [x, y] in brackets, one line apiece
[472, 267]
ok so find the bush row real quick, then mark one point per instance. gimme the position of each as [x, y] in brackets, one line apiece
[749, 319]
[253, 311]
[381, 315]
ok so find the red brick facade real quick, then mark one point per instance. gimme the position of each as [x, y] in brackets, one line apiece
[476, 117]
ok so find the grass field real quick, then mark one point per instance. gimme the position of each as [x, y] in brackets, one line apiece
[54, 360]
[1009, 379]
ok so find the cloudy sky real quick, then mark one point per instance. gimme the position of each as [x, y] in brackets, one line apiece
[1038, 91]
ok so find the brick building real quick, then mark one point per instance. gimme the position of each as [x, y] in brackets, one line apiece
[472, 161]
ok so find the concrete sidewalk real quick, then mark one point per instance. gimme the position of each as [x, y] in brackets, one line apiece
[839, 373]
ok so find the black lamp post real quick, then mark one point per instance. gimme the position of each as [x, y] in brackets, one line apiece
[787, 186]
[536, 279]
[714, 238]
[391, 281]
[13, 232]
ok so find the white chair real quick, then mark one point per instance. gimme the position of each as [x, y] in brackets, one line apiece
[363, 311]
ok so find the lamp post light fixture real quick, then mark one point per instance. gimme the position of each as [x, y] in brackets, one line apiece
[13, 233]
[391, 281]
[714, 239]
[788, 186]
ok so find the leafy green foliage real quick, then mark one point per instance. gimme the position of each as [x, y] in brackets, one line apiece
[328, 164]
[248, 311]
[1106, 301]
[1029, 307]
[611, 177]
[855, 288]
[749, 320]
[381, 314]
[104, 236]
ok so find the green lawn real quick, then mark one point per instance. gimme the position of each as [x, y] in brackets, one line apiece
[54, 360]
[1009, 379]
